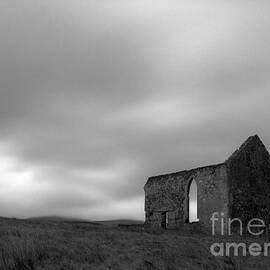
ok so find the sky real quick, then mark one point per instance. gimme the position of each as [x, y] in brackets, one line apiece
[96, 96]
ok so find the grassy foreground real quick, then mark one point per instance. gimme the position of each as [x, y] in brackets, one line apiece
[29, 245]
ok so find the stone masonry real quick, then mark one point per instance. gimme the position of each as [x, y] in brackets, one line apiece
[239, 188]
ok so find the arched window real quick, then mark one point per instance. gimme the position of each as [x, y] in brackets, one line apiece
[192, 202]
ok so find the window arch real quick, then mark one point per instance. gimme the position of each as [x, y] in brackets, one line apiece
[192, 201]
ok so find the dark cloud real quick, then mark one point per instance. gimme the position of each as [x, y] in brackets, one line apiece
[97, 96]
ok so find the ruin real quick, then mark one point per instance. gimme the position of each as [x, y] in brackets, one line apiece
[238, 188]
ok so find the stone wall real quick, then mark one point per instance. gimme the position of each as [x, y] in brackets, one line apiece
[249, 181]
[239, 188]
[169, 193]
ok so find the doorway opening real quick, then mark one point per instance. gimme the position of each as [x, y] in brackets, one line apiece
[164, 220]
[192, 202]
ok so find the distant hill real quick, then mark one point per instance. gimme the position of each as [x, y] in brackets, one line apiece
[62, 219]
[57, 218]
[119, 221]
[110, 223]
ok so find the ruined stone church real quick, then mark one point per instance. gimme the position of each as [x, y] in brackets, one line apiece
[238, 188]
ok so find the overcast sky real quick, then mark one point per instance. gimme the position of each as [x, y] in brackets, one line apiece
[95, 96]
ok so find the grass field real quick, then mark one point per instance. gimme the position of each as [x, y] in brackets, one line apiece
[59, 245]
